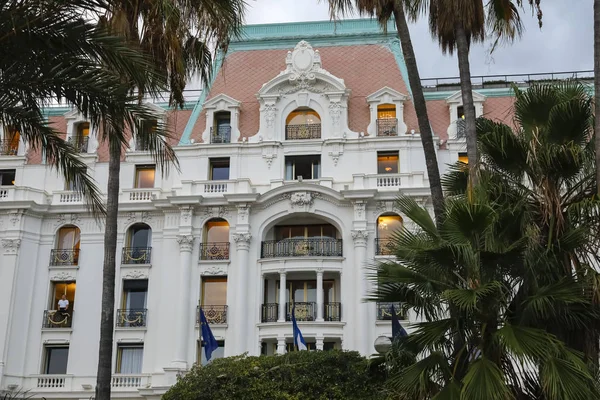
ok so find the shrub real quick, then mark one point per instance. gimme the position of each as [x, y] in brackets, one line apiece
[300, 375]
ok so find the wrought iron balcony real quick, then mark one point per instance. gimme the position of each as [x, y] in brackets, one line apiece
[387, 127]
[384, 247]
[136, 255]
[384, 311]
[305, 311]
[220, 134]
[461, 129]
[303, 131]
[131, 318]
[64, 257]
[333, 312]
[213, 314]
[57, 319]
[269, 312]
[80, 143]
[214, 251]
[317, 247]
[8, 148]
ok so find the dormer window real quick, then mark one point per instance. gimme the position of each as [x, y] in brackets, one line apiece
[81, 137]
[9, 145]
[146, 127]
[456, 129]
[387, 123]
[303, 123]
[220, 132]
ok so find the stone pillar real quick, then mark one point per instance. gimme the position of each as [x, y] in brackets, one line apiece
[182, 309]
[319, 342]
[320, 293]
[282, 299]
[242, 241]
[280, 345]
[8, 267]
[363, 327]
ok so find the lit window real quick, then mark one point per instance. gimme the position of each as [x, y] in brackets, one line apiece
[83, 129]
[68, 238]
[387, 225]
[387, 162]
[302, 167]
[463, 158]
[219, 169]
[303, 116]
[460, 112]
[385, 111]
[129, 359]
[144, 176]
[7, 177]
[214, 291]
[216, 231]
[56, 359]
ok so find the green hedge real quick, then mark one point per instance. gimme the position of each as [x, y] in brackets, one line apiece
[300, 375]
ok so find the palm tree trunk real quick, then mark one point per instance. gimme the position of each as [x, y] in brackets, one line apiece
[108, 282]
[597, 88]
[414, 79]
[462, 50]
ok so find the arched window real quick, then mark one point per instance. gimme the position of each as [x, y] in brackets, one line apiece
[387, 224]
[215, 240]
[303, 123]
[220, 132]
[138, 245]
[66, 251]
[387, 123]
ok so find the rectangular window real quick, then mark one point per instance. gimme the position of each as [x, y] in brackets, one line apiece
[60, 289]
[218, 353]
[134, 294]
[302, 167]
[460, 112]
[463, 158]
[214, 291]
[7, 177]
[219, 169]
[56, 359]
[144, 176]
[387, 162]
[305, 231]
[73, 186]
[129, 359]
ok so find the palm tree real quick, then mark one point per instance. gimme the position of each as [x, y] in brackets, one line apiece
[181, 38]
[384, 11]
[597, 86]
[513, 272]
[37, 69]
[458, 23]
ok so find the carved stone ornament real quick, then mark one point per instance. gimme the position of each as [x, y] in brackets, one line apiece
[15, 218]
[216, 212]
[61, 219]
[186, 215]
[75, 219]
[270, 112]
[135, 274]
[186, 242]
[243, 214]
[335, 112]
[360, 235]
[360, 210]
[242, 237]
[62, 276]
[146, 216]
[215, 269]
[302, 63]
[301, 198]
[11, 246]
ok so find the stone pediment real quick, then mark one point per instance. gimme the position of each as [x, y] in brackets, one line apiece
[386, 95]
[303, 72]
[457, 98]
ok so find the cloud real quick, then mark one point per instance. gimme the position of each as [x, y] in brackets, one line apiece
[564, 44]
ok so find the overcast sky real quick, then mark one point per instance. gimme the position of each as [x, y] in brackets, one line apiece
[565, 43]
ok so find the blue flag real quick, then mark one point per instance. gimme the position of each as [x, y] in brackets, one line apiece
[397, 329]
[298, 339]
[210, 343]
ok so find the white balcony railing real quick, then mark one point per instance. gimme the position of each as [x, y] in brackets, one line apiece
[130, 381]
[215, 188]
[21, 193]
[52, 381]
[67, 197]
[135, 195]
[385, 182]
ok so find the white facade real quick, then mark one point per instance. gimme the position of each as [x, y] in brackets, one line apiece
[257, 201]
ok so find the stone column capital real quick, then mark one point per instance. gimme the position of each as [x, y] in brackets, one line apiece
[242, 240]
[186, 243]
[11, 246]
[360, 237]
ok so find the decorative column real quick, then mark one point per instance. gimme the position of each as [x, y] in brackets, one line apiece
[280, 344]
[363, 327]
[8, 267]
[320, 296]
[282, 299]
[319, 340]
[242, 241]
[182, 309]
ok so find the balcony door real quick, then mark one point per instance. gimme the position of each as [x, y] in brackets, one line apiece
[68, 238]
[135, 292]
[305, 291]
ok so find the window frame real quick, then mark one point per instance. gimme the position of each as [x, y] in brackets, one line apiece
[293, 159]
[7, 172]
[388, 153]
[119, 356]
[218, 160]
[47, 354]
[144, 167]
